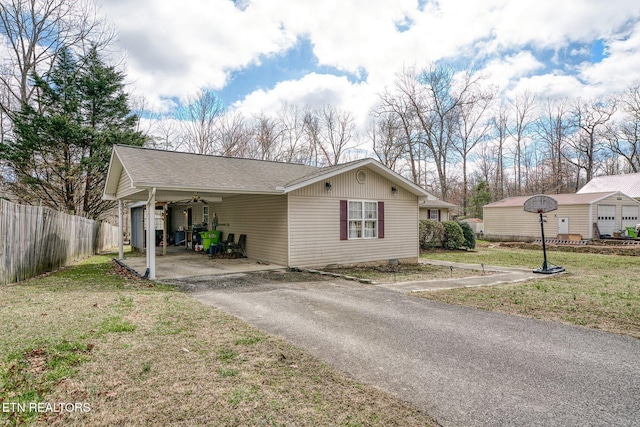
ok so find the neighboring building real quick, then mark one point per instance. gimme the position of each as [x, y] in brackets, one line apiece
[628, 184]
[576, 216]
[476, 224]
[293, 215]
[436, 209]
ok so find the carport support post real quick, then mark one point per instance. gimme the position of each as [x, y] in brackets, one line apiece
[120, 236]
[151, 235]
[164, 228]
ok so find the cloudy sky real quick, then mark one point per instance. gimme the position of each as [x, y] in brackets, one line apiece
[257, 54]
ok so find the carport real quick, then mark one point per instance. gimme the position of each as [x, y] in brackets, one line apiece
[174, 262]
[159, 179]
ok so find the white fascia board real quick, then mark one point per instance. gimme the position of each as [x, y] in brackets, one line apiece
[106, 194]
[113, 174]
[611, 194]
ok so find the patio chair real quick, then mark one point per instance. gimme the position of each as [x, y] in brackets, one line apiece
[228, 244]
[239, 248]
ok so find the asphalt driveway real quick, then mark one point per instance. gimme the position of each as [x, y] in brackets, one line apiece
[463, 366]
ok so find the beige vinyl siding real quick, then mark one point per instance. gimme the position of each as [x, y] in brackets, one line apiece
[510, 221]
[315, 222]
[124, 186]
[346, 186]
[515, 222]
[262, 218]
[315, 233]
[179, 218]
[578, 221]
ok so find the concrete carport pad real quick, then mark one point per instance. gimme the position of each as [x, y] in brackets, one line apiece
[462, 366]
[179, 263]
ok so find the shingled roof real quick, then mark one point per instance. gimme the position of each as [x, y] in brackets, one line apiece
[562, 199]
[151, 168]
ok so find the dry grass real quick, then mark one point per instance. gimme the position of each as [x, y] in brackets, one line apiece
[599, 291]
[406, 272]
[149, 355]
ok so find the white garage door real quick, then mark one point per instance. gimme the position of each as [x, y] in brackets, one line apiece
[629, 216]
[606, 219]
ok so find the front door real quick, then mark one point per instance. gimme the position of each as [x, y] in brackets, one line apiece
[563, 225]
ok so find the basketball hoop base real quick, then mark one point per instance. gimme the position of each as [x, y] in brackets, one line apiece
[549, 270]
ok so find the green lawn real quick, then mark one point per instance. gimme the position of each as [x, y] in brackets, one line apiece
[137, 353]
[598, 291]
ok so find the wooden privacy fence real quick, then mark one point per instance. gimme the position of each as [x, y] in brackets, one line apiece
[35, 239]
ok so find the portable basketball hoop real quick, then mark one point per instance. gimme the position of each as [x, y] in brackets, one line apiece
[541, 204]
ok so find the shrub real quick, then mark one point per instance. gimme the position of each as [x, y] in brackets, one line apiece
[468, 234]
[431, 233]
[453, 237]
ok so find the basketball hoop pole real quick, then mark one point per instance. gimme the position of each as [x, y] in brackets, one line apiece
[542, 204]
[544, 245]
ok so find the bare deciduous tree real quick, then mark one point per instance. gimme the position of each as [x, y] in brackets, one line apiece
[199, 121]
[553, 129]
[267, 134]
[523, 107]
[591, 119]
[386, 134]
[473, 124]
[35, 31]
[624, 137]
[235, 136]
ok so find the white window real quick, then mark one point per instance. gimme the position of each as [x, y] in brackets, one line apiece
[433, 214]
[363, 220]
[205, 214]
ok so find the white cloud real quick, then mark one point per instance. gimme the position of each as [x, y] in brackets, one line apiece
[313, 91]
[619, 69]
[505, 72]
[175, 49]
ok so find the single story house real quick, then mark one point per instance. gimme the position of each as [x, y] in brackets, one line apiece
[628, 184]
[577, 214]
[291, 214]
[436, 209]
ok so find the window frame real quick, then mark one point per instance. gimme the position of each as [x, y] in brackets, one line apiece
[364, 222]
[205, 216]
[437, 216]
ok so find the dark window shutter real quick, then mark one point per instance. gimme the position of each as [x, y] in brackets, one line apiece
[439, 216]
[380, 220]
[344, 220]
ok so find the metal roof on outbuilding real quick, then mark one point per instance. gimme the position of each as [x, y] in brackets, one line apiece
[628, 184]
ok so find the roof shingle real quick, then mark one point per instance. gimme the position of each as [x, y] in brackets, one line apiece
[176, 169]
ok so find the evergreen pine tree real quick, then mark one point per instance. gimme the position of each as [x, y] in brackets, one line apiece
[61, 151]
